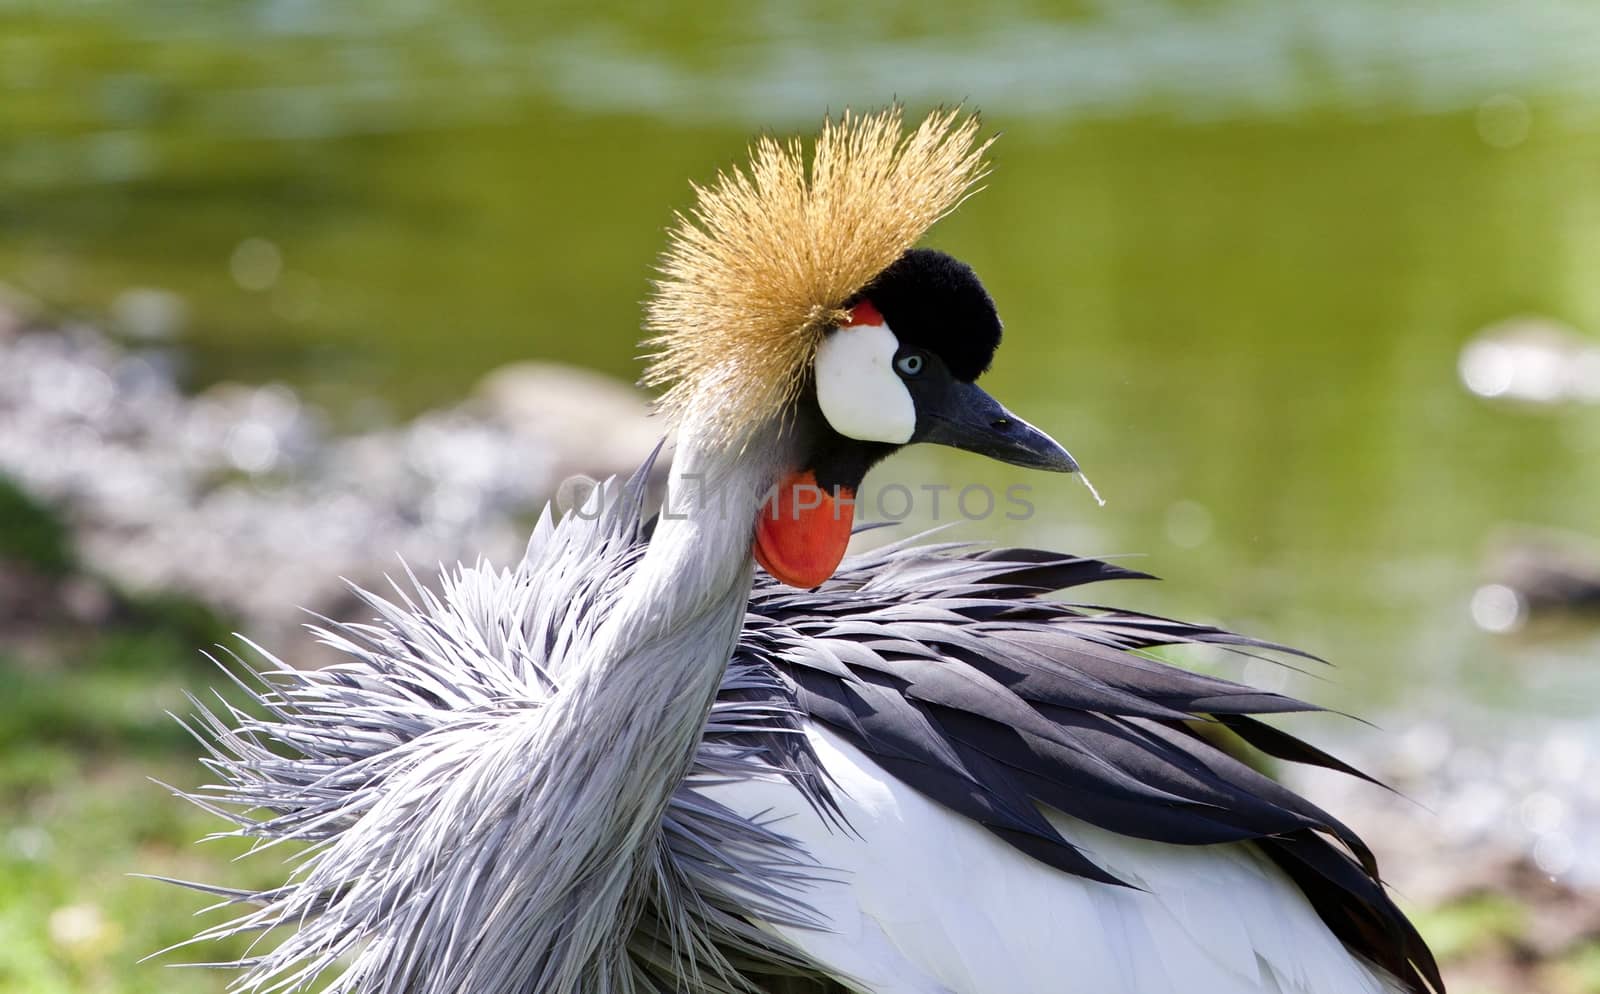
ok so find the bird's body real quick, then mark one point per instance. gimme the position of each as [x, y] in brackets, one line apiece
[799, 815]
[920, 900]
[619, 766]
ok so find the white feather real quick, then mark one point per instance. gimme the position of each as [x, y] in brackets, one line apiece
[924, 901]
[857, 388]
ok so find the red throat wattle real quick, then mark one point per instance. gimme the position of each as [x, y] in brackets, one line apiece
[802, 531]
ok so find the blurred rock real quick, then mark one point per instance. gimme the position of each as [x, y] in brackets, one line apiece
[32, 601]
[1468, 810]
[1548, 569]
[149, 313]
[551, 402]
[1501, 822]
[1532, 360]
[82, 932]
[242, 498]
[17, 310]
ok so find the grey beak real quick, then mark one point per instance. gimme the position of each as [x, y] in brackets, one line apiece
[966, 417]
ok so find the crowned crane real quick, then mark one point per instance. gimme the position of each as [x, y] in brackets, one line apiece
[632, 763]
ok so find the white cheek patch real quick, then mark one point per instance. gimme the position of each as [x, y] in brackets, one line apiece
[860, 393]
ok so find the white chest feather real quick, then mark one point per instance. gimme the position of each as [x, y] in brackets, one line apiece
[858, 389]
[923, 901]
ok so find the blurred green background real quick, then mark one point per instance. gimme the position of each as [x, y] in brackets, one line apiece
[1239, 248]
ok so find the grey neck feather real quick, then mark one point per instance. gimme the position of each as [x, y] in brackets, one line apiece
[621, 735]
[701, 546]
[509, 844]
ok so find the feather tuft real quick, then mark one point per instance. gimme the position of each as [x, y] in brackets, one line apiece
[764, 263]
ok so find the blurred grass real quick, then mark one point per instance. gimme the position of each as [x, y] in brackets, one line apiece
[79, 746]
[1472, 925]
[1580, 971]
[30, 534]
[84, 732]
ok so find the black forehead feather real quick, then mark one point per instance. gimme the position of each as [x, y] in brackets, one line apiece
[935, 302]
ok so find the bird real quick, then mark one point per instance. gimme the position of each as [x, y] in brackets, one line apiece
[702, 748]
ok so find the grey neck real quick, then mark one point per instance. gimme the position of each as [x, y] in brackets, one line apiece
[699, 556]
[619, 738]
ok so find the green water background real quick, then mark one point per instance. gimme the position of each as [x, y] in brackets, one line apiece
[1237, 246]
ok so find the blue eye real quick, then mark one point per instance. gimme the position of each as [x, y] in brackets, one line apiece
[910, 365]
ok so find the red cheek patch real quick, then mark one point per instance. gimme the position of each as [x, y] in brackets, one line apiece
[802, 531]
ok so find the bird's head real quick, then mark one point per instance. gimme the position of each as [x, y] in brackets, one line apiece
[793, 306]
[902, 369]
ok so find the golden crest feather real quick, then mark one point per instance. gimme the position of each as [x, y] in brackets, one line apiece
[757, 272]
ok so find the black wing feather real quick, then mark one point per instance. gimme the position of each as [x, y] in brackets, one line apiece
[948, 667]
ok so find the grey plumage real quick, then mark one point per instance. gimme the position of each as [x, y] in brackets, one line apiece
[415, 771]
[412, 769]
